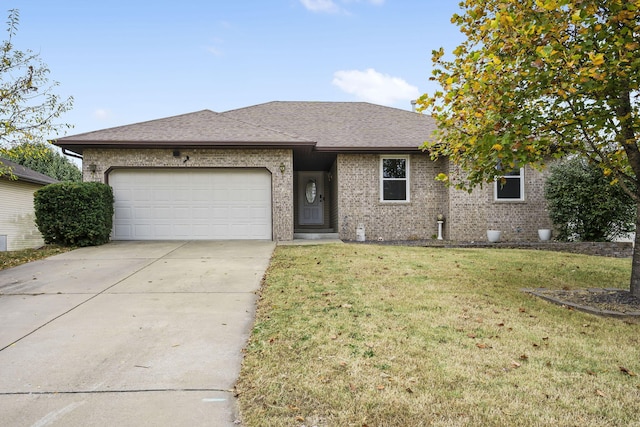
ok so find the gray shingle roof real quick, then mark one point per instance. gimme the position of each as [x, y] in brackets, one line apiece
[204, 126]
[343, 125]
[329, 126]
[26, 174]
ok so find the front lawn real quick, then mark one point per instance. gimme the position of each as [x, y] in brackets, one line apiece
[365, 335]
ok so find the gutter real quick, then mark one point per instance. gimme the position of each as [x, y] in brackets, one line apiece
[71, 154]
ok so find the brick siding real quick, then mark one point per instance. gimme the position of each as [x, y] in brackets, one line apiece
[468, 216]
[471, 215]
[359, 199]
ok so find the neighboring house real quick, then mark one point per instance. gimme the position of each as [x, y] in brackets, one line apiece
[275, 169]
[17, 216]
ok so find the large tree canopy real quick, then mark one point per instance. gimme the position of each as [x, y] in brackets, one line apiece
[28, 105]
[538, 79]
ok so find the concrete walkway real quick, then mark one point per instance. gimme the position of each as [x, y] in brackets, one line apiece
[128, 334]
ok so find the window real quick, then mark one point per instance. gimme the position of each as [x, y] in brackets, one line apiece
[394, 179]
[510, 186]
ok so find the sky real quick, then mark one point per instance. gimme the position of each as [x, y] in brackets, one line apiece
[130, 61]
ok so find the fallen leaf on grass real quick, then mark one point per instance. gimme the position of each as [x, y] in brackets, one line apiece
[600, 393]
[483, 345]
[515, 364]
[380, 387]
[626, 371]
[346, 306]
[299, 418]
[524, 357]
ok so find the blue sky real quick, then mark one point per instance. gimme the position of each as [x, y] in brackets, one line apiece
[131, 61]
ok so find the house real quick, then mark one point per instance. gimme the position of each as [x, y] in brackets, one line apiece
[271, 170]
[17, 216]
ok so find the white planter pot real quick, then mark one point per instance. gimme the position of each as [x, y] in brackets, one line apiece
[493, 235]
[544, 234]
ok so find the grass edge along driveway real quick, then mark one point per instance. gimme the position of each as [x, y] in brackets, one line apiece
[365, 335]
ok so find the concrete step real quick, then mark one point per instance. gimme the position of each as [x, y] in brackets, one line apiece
[307, 235]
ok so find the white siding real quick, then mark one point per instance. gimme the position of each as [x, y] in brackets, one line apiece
[17, 215]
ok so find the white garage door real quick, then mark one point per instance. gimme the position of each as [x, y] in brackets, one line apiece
[188, 204]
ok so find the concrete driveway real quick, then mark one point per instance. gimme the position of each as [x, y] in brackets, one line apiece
[128, 334]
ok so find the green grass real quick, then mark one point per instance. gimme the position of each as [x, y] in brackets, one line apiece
[355, 335]
[10, 259]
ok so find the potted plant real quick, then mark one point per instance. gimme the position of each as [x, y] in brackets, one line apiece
[493, 235]
[544, 234]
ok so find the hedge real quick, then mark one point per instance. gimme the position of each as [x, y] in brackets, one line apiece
[75, 213]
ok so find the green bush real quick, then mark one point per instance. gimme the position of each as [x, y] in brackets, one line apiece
[75, 213]
[583, 204]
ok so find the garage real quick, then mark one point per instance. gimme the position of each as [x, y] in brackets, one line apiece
[191, 203]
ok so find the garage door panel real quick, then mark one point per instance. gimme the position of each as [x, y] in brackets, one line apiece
[191, 204]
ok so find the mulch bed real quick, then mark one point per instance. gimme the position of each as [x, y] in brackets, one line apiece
[600, 301]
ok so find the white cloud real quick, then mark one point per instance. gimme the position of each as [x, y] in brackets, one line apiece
[331, 6]
[102, 114]
[327, 6]
[375, 87]
[214, 48]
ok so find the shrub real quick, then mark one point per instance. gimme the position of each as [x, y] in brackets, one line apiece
[584, 205]
[75, 213]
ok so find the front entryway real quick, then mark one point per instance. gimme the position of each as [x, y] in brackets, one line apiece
[311, 198]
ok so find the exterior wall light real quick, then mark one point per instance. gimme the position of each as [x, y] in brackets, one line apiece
[92, 168]
[282, 168]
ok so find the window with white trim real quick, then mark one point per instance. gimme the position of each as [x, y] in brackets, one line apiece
[510, 186]
[394, 179]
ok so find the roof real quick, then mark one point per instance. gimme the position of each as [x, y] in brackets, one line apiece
[25, 174]
[326, 126]
[340, 126]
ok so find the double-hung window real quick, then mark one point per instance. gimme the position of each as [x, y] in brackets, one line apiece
[510, 186]
[394, 179]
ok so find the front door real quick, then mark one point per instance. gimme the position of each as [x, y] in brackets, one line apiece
[311, 198]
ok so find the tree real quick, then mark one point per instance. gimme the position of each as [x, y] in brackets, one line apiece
[583, 204]
[44, 159]
[28, 106]
[541, 79]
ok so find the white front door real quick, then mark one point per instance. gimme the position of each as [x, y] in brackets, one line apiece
[311, 198]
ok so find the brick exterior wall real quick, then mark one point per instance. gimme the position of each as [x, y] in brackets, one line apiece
[358, 198]
[281, 183]
[471, 215]
[468, 216]
[355, 194]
